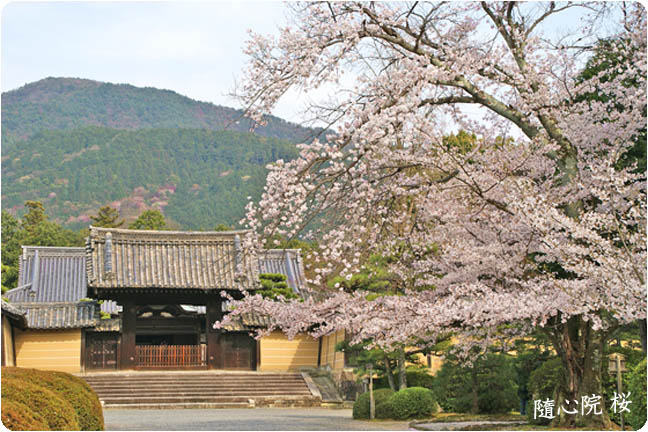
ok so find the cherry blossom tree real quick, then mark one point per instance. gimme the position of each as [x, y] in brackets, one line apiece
[533, 225]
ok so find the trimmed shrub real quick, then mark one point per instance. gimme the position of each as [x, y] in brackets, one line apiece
[637, 388]
[491, 377]
[497, 386]
[73, 389]
[420, 378]
[413, 402]
[452, 387]
[361, 405]
[415, 378]
[385, 410]
[17, 416]
[53, 408]
[609, 380]
[84, 400]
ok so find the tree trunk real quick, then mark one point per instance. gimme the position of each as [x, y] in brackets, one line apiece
[474, 384]
[642, 333]
[581, 351]
[402, 373]
[389, 373]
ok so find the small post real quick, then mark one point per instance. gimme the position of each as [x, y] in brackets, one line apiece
[372, 405]
[617, 364]
[619, 383]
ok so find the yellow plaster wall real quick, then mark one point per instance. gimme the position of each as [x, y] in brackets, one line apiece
[49, 349]
[330, 357]
[278, 353]
[435, 363]
[335, 359]
[7, 342]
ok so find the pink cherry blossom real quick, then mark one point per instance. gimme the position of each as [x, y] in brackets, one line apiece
[475, 232]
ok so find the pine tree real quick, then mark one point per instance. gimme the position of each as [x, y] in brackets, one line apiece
[149, 220]
[107, 217]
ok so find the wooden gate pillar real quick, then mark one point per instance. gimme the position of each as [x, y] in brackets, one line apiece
[128, 350]
[214, 313]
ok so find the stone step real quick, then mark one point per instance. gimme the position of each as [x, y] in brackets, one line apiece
[200, 390]
[202, 395]
[99, 387]
[186, 405]
[203, 390]
[171, 375]
[197, 386]
[197, 381]
[174, 399]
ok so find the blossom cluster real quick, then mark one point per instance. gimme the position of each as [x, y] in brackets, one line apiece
[530, 222]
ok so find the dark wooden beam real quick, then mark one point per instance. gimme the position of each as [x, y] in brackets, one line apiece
[214, 351]
[128, 350]
[143, 296]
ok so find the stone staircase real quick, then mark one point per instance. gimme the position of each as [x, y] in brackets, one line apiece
[151, 390]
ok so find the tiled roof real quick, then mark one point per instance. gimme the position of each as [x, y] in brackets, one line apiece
[53, 274]
[287, 262]
[14, 313]
[248, 322]
[53, 279]
[50, 274]
[60, 315]
[168, 259]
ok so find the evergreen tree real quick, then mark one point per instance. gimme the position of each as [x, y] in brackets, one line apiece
[223, 227]
[149, 220]
[34, 230]
[274, 285]
[35, 215]
[107, 217]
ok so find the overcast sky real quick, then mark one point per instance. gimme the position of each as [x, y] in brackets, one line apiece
[192, 48]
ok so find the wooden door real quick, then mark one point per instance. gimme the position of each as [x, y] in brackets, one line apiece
[239, 351]
[101, 350]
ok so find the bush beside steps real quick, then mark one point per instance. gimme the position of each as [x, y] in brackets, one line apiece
[412, 402]
[47, 400]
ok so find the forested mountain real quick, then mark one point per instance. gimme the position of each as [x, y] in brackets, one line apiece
[198, 178]
[77, 145]
[68, 103]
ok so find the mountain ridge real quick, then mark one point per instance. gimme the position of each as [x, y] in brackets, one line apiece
[77, 144]
[69, 103]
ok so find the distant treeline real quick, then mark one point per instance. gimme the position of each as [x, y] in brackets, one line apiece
[197, 177]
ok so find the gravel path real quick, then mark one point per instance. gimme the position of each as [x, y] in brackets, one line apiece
[242, 419]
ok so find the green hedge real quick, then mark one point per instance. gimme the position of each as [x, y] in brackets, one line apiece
[415, 378]
[413, 402]
[492, 376]
[637, 388]
[17, 416]
[52, 407]
[361, 405]
[385, 409]
[75, 391]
